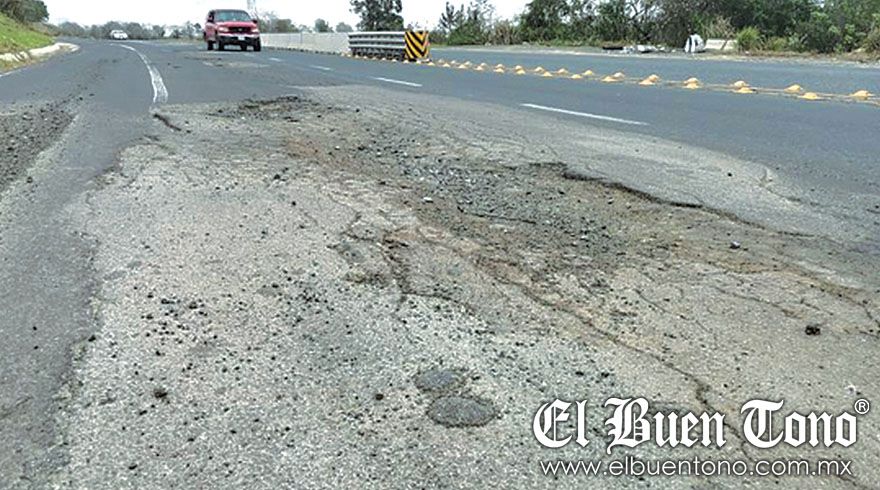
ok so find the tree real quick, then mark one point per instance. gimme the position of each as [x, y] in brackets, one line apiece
[378, 15]
[283, 26]
[137, 31]
[71, 29]
[613, 22]
[25, 10]
[471, 26]
[545, 20]
[451, 18]
[103, 32]
[343, 27]
[322, 25]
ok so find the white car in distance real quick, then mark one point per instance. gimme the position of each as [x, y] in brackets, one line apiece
[118, 35]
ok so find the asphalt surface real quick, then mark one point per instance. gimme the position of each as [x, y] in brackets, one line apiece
[816, 76]
[825, 152]
[828, 148]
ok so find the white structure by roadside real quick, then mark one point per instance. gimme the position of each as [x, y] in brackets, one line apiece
[694, 44]
[318, 42]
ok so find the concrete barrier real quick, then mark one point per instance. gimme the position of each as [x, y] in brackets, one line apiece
[329, 42]
[38, 52]
[721, 45]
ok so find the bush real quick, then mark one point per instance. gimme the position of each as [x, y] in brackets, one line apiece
[505, 32]
[748, 39]
[820, 34]
[872, 41]
[718, 28]
[776, 44]
[612, 24]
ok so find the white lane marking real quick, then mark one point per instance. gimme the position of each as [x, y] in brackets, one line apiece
[276, 60]
[585, 114]
[8, 73]
[319, 67]
[160, 93]
[399, 82]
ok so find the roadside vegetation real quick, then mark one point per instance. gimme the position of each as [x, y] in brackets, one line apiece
[19, 26]
[805, 26]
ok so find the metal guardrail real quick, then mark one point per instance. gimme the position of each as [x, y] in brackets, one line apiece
[390, 44]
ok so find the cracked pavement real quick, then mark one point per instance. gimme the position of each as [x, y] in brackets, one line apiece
[354, 299]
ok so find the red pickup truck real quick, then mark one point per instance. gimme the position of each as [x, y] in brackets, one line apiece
[225, 27]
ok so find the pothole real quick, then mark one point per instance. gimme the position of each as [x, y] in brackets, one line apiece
[456, 411]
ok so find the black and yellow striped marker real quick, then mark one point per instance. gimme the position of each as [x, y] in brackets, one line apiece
[417, 45]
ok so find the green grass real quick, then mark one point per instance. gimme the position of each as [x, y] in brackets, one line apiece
[16, 37]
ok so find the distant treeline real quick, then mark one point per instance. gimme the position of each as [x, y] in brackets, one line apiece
[268, 23]
[825, 26]
[133, 29]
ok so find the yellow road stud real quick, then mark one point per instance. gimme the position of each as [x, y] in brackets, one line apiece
[692, 80]
[547, 74]
[740, 84]
[499, 70]
[619, 75]
[794, 89]
[539, 70]
[609, 79]
[810, 96]
[588, 73]
[431, 63]
[562, 71]
[518, 67]
[576, 77]
[520, 72]
[499, 66]
[861, 94]
[744, 90]
[647, 82]
[692, 85]
[479, 68]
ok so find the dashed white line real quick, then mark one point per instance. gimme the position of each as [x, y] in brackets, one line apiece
[585, 114]
[398, 82]
[276, 60]
[160, 92]
[319, 67]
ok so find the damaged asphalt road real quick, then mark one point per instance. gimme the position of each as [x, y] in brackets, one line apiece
[336, 306]
[376, 289]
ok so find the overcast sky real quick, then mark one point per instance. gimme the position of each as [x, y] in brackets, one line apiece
[173, 12]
